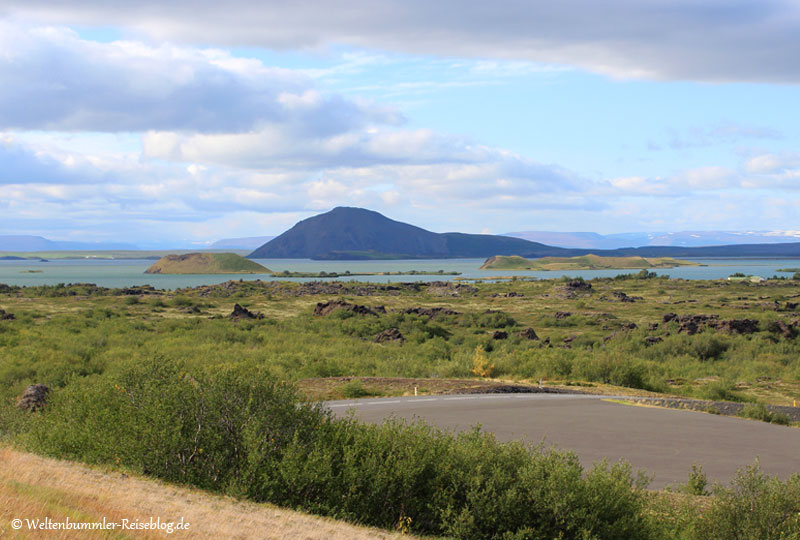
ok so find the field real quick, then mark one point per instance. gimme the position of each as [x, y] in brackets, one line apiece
[181, 352]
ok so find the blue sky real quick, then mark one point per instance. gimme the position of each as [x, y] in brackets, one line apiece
[179, 125]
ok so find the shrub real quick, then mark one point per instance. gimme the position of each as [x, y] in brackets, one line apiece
[708, 347]
[719, 391]
[754, 507]
[355, 389]
[213, 429]
[246, 435]
[761, 412]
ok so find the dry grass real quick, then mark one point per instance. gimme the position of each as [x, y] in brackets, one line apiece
[37, 487]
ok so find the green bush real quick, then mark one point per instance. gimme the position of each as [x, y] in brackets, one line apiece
[761, 412]
[755, 507]
[213, 429]
[242, 433]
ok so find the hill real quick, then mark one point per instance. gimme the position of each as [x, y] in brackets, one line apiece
[206, 263]
[355, 233]
[584, 262]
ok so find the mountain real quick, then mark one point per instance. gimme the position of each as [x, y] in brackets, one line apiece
[588, 240]
[37, 243]
[250, 242]
[355, 233]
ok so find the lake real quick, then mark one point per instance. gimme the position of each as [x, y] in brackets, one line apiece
[129, 272]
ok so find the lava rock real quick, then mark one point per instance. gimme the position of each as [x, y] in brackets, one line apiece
[390, 334]
[326, 308]
[240, 312]
[33, 398]
[529, 333]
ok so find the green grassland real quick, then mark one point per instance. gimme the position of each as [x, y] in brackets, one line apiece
[79, 330]
[166, 384]
[206, 263]
[584, 262]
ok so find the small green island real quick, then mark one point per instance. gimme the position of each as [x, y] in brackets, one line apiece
[206, 263]
[584, 262]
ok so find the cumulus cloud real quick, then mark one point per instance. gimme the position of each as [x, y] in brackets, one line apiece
[53, 80]
[21, 164]
[708, 40]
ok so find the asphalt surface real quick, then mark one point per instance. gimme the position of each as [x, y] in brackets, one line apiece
[663, 442]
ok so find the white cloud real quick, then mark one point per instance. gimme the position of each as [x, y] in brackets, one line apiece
[709, 40]
[53, 80]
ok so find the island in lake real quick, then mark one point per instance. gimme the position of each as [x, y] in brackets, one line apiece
[584, 262]
[206, 263]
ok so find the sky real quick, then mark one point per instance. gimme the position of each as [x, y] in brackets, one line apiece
[171, 124]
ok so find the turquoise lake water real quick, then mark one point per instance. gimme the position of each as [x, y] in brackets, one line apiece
[129, 272]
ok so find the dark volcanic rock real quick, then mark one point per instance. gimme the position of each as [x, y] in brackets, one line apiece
[6, 316]
[652, 340]
[430, 312]
[529, 333]
[691, 324]
[622, 297]
[786, 330]
[669, 317]
[34, 397]
[738, 326]
[390, 334]
[562, 315]
[500, 334]
[791, 306]
[326, 308]
[577, 284]
[652, 326]
[240, 312]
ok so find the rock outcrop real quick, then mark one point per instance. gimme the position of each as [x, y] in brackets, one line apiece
[390, 334]
[240, 312]
[34, 397]
[326, 308]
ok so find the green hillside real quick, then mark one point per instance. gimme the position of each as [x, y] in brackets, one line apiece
[206, 263]
[584, 262]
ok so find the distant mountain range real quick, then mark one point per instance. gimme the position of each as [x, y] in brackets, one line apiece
[355, 234]
[18, 243]
[250, 242]
[589, 240]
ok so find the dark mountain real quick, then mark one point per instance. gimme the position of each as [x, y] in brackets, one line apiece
[354, 233]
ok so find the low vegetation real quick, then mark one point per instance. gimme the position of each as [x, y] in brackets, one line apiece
[169, 385]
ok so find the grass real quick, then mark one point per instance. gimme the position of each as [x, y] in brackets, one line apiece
[68, 336]
[80, 330]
